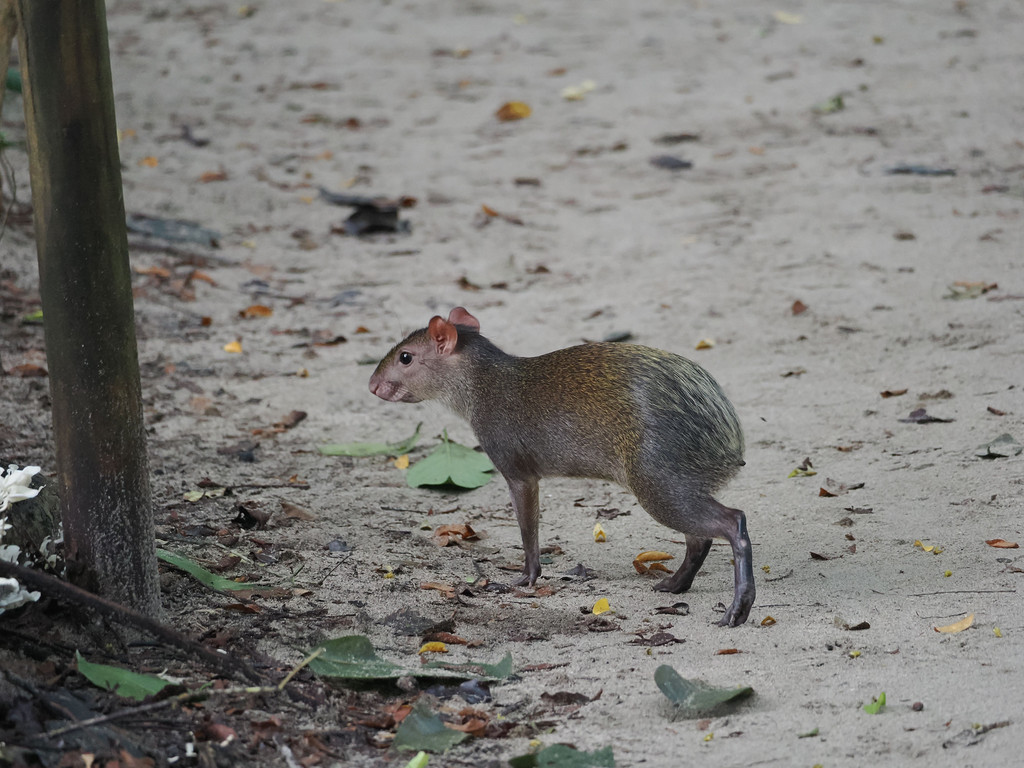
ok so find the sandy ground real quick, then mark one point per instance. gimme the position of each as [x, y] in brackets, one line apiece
[783, 204]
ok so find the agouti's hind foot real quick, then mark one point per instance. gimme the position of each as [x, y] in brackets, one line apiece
[528, 579]
[673, 584]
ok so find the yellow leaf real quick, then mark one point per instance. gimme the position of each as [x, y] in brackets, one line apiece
[402, 462]
[960, 626]
[997, 632]
[854, 654]
[149, 162]
[235, 347]
[513, 110]
[646, 557]
[784, 17]
[947, 574]
[601, 606]
[709, 737]
[599, 534]
[767, 621]
[434, 648]
[766, 568]
[705, 344]
[577, 92]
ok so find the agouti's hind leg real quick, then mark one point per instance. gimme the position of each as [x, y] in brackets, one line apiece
[696, 551]
[735, 530]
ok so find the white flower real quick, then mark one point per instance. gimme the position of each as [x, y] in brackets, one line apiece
[14, 485]
[12, 594]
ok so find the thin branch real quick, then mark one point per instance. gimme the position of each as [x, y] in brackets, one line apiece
[69, 593]
[961, 592]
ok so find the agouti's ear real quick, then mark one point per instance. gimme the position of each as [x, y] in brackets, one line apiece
[443, 334]
[459, 316]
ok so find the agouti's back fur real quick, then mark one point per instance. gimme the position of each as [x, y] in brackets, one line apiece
[654, 422]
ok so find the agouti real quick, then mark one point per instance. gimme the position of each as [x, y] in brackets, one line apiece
[654, 422]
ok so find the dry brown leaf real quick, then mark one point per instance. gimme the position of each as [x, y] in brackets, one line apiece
[646, 557]
[446, 589]
[727, 651]
[449, 534]
[296, 512]
[27, 371]
[798, 307]
[894, 392]
[200, 275]
[153, 271]
[209, 176]
[255, 310]
[1002, 544]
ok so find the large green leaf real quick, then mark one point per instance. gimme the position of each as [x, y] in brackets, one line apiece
[372, 449]
[123, 682]
[451, 464]
[422, 730]
[562, 756]
[352, 657]
[693, 698]
[203, 576]
[498, 671]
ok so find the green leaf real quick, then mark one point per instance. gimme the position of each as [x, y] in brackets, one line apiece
[875, 706]
[451, 463]
[420, 761]
[203, 576]
[123, 682]
[14, 80]
[372, 449]
[562, 756]
[498, 671]
[692, 697]
[352, 657]
[422, 730]
[1002, 447]
[810, 734]
[835, 104]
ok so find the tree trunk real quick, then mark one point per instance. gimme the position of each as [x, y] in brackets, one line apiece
[85, 284]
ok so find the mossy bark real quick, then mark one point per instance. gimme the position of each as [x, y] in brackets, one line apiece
[85, 285]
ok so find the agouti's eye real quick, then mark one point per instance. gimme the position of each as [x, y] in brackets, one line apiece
[405, 358]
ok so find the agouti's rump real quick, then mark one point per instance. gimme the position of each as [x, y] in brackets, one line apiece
[654, 422]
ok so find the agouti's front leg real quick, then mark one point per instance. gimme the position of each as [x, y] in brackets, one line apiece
[525, 502]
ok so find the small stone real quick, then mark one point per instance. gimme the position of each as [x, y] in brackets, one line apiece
[917, 706]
